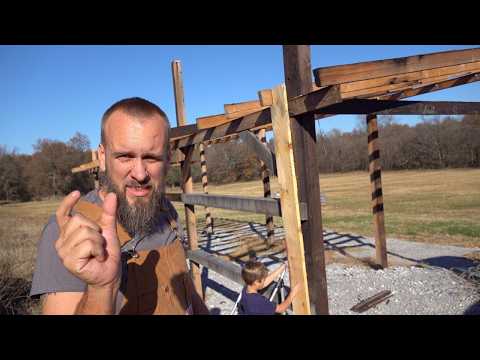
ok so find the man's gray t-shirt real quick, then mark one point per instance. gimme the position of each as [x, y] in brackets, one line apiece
[50, 274]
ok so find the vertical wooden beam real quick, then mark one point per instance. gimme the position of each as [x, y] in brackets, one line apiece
[266, 189]
[298, 81]
[203, 162]
[187, 182]
[95, 172]
[287, 181]
[375, 171]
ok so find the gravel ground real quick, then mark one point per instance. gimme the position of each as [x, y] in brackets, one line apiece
[416, 291]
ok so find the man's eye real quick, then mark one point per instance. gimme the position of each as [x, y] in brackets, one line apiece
[124, 158]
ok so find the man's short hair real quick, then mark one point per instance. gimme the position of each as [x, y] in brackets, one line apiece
[136, 107]
[253, 271]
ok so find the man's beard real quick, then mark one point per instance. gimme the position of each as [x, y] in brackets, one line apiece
[141, 217]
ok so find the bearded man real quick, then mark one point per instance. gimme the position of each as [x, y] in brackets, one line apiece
[119, 249]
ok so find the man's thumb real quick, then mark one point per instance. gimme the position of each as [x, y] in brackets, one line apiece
[108, 221]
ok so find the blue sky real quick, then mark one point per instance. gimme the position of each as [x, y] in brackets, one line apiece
[53, 91]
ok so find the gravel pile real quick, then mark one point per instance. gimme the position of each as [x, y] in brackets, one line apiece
[416, 291]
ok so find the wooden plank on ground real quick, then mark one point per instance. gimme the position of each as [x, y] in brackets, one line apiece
[370, 302]
[289, 199]
[372, 69]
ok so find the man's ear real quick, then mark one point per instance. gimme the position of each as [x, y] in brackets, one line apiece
[101, 157]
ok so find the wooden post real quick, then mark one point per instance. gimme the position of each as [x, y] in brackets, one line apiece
[203, 162]
[266, 189]
[287, 181]
[95, 171]
[375, 171]
[298, 81]
[187, 182]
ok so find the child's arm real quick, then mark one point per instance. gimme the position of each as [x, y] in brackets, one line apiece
[273, 275]
[281, 308]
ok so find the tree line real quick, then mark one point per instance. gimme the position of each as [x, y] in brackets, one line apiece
[431, 144]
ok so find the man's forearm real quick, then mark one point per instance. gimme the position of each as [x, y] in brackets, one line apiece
[98, 301]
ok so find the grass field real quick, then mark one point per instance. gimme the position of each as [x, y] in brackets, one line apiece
[430, 206]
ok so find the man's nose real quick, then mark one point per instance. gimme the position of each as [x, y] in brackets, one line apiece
[139, 170]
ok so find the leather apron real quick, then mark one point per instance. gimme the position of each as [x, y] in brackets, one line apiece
[158, 280]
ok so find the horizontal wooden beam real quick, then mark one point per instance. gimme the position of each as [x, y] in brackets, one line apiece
[206, 122]
[372, 69]
[240, 203]
[87, 166]
[432, 75]
[265, 97]
[239, 114]
[182, 131]
[395, 107]
[314, 100]
[176, 197]
[242, 106]
[310, 102]
[428, 88]
[228, 269]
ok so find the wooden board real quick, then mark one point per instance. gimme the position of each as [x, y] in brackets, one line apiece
[266, 185]
[310, 102]
[298, 81]
[374, 169]
[87, 166]
[206, 122]
[399, 107]
[182, 131]
[265, 97]
[412, 77]
[240, 203]
[242, 106]
[289, 199]
[389, 67]
[203, 165]
[176, 197]
[223, 267]
[187, 181]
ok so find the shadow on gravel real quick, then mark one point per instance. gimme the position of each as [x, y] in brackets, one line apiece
[451, 262]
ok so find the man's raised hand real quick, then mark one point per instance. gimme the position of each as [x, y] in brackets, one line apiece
[88, 250]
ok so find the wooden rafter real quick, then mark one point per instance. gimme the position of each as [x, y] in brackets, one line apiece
[391, 67]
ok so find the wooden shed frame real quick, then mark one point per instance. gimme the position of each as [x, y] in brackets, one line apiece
[290, 110]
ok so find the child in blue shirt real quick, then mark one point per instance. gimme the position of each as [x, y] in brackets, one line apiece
[256, 277]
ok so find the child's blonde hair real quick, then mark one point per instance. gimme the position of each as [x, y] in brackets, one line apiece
[253, 271]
